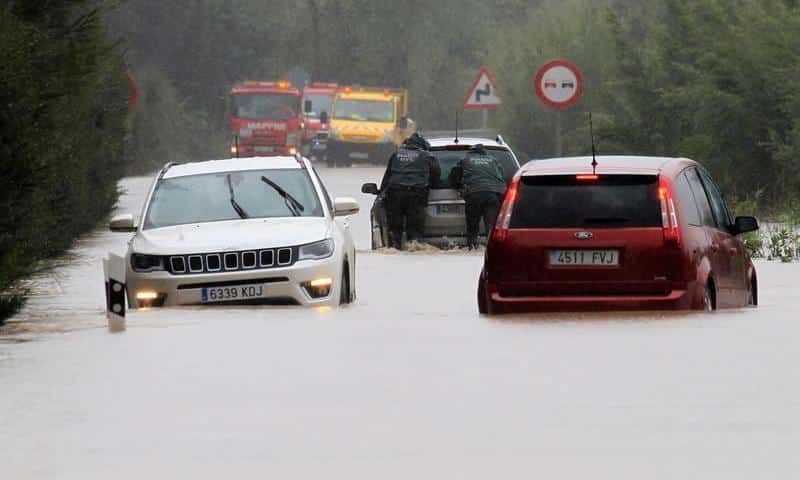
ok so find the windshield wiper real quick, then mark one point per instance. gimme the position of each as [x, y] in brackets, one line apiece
[236, 206]
[291, 203]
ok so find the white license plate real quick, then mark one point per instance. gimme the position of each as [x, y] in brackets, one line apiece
[359, 155]
[584, 257]
[261, 149]
[450, 209]
[232, 293]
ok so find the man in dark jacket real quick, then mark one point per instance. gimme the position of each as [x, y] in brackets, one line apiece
[412, 170]
[483, 185]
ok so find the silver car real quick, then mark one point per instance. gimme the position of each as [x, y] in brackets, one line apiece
[445, 222]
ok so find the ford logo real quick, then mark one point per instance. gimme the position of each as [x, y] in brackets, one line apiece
[583, 235]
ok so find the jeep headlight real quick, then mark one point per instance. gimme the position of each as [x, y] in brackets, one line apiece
[316, 250]
[146, 263]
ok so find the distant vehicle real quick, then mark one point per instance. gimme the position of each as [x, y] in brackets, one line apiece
[245, 231]
[265, 119]
[367, 124]
[317, 103]
[445, 222]
[642, 233]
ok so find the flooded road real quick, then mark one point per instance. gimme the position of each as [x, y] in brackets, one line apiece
[407, 383]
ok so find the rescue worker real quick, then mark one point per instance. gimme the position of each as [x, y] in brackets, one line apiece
[483, 185]
[411, 172]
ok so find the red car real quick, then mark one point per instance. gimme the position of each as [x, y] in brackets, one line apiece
[641, 233]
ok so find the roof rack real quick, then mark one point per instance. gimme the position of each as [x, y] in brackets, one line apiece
[165, 168]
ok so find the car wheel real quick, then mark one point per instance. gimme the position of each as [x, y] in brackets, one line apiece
[708, 299]
[344, 292]
[752, 294]
[483, 308]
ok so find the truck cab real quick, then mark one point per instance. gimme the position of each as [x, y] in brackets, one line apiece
[265, 119]
[317, 102]
[367, 124]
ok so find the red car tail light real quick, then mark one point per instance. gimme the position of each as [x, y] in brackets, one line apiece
[500, 232]
[669, 216]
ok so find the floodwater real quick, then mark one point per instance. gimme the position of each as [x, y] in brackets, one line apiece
[407, 383]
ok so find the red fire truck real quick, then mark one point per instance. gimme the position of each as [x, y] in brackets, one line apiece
[266, 119]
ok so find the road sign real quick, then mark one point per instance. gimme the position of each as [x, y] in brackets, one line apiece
[559, 84]
[483, 93]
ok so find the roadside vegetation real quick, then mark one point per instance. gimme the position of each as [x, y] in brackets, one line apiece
[63, 110]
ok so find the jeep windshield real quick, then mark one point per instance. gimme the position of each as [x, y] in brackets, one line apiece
[264, 106]
[364, 110]
[207, 198]
[448, 157]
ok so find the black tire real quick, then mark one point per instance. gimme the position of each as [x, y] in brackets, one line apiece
[483, 307]
[709, 301]
[344, 292]
[752, 295]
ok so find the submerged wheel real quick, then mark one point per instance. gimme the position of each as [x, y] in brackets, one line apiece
[344, 292]
[708, 299]
[752, 294]
[483, 307]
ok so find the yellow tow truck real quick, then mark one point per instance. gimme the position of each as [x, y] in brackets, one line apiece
[367, 125]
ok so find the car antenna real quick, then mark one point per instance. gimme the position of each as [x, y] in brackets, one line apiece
[456, 139]
[594, 147]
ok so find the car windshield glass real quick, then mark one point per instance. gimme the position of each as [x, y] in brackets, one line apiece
[364, 110]
[449, 158]
[207, 198]
[563, 201]
[320, 102]
[267, 106]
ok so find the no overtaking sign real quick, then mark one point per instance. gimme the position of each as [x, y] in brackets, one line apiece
[559, 84]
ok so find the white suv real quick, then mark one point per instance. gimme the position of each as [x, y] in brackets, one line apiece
[244, 231]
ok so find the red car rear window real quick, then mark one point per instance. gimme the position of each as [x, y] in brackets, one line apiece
[564, 201]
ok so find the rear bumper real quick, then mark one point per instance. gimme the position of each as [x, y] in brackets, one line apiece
[675, 300]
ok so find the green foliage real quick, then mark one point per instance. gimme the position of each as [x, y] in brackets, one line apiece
[62, 125]
[784, 245]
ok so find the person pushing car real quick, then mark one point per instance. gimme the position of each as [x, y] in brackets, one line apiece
[483, 186]
[411, 172]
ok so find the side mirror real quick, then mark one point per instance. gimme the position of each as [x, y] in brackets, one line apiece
[122, 223]
[324, 118]
[402, 123]
[344, 206]
[745, 225]
[307, 106]
[370, 188]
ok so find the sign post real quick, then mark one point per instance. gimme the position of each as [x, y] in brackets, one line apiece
[482, 95]
[559, 85]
